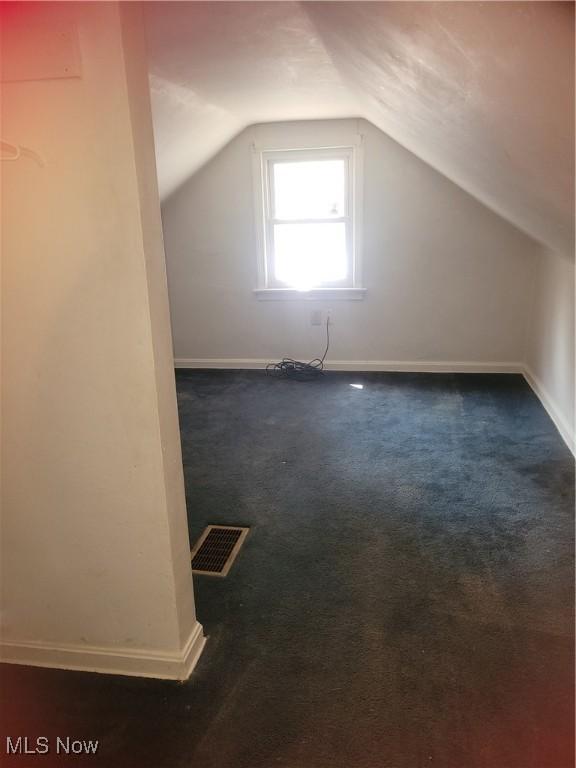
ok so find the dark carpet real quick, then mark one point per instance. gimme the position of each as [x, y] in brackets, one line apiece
[404, 599]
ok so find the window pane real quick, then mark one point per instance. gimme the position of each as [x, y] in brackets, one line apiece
[308, 255]
[312, 189]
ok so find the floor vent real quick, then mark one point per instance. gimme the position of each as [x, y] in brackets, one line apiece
[216, 549]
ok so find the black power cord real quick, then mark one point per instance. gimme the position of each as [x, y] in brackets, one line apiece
[296, 369]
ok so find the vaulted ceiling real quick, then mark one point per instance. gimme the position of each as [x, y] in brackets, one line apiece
[482, 91]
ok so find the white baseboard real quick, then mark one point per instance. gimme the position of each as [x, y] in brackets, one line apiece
[561, 424]
[122, 661]
[406, 366]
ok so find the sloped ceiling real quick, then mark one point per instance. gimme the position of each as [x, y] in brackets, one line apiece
[217, 67]
[482, 91]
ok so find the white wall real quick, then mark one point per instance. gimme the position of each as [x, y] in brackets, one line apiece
[550, 356]
[95, 555]
[447, 280]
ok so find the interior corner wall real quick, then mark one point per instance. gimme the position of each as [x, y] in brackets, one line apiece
[550, 350]
[447, 280]
[93, 575]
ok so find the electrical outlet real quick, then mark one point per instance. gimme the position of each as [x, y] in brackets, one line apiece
[316, 317]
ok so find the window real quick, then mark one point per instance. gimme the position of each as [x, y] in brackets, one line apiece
[307, 211]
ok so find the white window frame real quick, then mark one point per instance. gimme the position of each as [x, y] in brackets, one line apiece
[264, 160]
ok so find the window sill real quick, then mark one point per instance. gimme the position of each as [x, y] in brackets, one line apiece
[317, 294]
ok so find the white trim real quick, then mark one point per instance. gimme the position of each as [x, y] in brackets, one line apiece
[561, 424]
[357, 171]
[360, 365]
[408, 366]
[110, 661]
[317, 294]
[318, 139]
[259, 217]
[352, 152]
